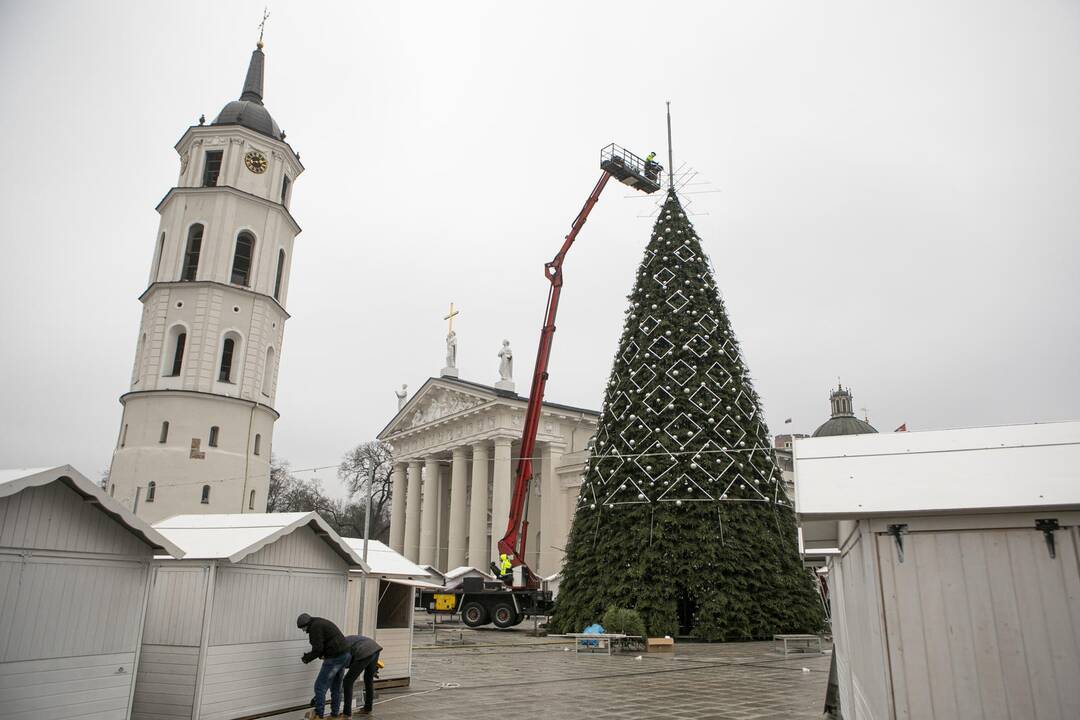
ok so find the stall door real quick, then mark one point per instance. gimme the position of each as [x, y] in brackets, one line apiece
[983, 624]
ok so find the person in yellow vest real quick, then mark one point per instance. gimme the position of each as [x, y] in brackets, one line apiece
[652, 168]
[505, 566]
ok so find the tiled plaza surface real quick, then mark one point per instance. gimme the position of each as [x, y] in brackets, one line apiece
[499, 674]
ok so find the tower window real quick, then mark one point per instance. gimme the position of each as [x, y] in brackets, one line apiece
[251, 500]
[205, 495]
[160, 252]
[112, 490]
[245, 249]
[280, 273]
[191, 254]
[213, 168]
[123, 436]
[213, 436]
[151, 491]
[178, 354]
[258, 443]
[268, 371]
[285, 189]
[164, 437]
[225, 374]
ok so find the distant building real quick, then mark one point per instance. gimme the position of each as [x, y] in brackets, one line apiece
[841, 422]
[199, 416]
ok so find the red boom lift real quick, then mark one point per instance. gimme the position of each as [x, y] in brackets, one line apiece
[507, 604]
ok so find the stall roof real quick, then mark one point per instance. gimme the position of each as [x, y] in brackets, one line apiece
[941, 471]
[234, 536]
[17, 479]
[386, 562]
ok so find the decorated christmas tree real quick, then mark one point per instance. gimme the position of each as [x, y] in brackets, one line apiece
[682, 513]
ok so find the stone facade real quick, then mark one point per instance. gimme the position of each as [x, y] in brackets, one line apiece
[455, 449]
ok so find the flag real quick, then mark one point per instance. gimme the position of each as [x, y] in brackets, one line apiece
[787, 421]
[902, 428]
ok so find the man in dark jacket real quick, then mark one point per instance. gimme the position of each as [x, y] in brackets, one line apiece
[327, 643]
[365, 659]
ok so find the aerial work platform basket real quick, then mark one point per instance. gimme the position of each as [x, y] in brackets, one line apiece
[629, 169]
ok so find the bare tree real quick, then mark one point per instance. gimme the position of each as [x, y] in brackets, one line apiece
[358, 468]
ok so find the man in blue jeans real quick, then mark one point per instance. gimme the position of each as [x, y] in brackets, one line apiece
[328, 643]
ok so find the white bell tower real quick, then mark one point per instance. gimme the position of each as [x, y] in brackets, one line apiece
[198, 421]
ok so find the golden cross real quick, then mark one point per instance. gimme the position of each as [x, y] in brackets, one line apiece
[262, 25]
[450, 317]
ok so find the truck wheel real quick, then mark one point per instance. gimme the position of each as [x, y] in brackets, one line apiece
[474, 614]
[504, 616]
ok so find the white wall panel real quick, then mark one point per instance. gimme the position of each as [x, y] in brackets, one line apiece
[60, 606]
[87, 687]
[983, 624]
[165, 687]
[255, 605]
[396, 653]
[251, 678]
[174, 613]
[299, 549]
[55, 517]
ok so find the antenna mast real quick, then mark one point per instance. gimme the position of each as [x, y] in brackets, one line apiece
[670, 160]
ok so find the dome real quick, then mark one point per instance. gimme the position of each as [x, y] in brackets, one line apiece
[249, 110]
[252, 115]
[843, 426]
[843, 420]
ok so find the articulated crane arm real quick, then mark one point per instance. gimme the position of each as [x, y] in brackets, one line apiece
[513, 542]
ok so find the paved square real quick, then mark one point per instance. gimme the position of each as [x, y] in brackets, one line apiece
[499, 674]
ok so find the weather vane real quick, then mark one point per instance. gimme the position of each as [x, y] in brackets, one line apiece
[262, 25]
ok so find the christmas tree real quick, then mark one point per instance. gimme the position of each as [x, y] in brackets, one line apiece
[682, 513]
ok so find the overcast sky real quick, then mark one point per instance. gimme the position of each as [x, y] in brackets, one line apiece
[898, 198]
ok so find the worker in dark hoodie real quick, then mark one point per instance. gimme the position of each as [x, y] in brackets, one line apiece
[365, 659]
[328, 643]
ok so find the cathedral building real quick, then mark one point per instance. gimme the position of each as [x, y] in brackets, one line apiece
[456, 449]
[198, 420]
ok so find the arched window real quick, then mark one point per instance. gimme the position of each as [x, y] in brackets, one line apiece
[280, 271]
[268, 371]
[258, 443]
[112, 490]
[245, 251]
[213, 436]
[205, 494]
[164, 437]
[177, 340]
[151, 491]
[225, 373]
[123, 436]
[251, 500]
[191, 254]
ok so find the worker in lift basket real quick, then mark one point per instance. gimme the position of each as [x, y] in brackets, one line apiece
[652, 168]
[328, 643]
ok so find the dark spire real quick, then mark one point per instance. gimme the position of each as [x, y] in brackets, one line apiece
[253, 83]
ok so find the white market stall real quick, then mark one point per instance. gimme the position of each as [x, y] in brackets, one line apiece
[74, 573]
[388, 598]
[953, 569]
[221, 640]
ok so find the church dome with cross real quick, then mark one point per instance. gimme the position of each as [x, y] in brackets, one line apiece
[843, 420]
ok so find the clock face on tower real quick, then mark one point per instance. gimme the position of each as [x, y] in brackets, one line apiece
[255, 161]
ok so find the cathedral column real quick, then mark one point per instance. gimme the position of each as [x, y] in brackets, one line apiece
[459, 513]
[429, 514]
[553, 521]
[479, 552]
[500, 493]
[397, 507]
[412, 513]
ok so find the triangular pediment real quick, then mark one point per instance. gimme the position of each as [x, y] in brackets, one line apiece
[435, 400]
